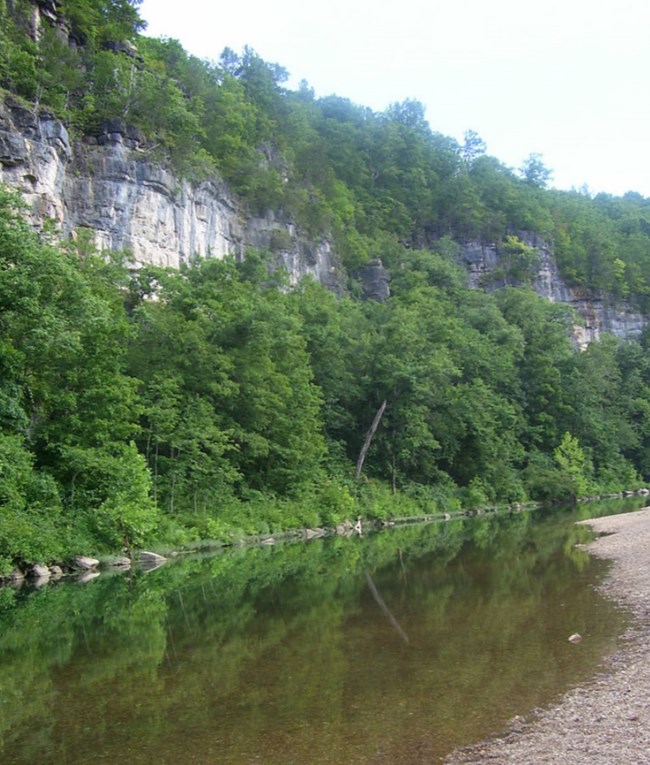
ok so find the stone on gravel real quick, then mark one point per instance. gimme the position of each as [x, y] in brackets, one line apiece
[606, 721]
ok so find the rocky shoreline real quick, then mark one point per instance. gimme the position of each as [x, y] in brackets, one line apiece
[85, 568]
[608, 720]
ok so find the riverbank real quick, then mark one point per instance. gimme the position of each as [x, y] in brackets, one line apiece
[44, 572]
[607, 720]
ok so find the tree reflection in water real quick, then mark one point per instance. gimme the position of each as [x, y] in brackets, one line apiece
[394, 648]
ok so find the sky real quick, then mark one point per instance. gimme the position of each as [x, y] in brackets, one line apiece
[568, 79]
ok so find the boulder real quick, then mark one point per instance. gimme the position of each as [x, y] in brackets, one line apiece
[39, 572]
[122, 562]
[85, 563]
[315, 533]
[151, 557]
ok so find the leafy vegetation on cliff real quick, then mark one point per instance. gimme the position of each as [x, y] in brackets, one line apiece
[377, 182]
[214, 401]
[209, 403]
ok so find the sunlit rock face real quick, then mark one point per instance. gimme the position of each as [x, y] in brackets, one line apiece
[34, 156]
[110, 187]
[597, 314]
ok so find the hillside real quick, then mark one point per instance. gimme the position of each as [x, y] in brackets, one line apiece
[215, 372]
[373, 183]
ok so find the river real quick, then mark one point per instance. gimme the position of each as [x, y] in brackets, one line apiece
[392, 648]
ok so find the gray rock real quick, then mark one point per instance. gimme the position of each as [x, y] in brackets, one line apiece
[597, 314]
[56, 572]
[315, 533]
[84, 563]
[56, 135]
[122, 562]
[13, 149]
[151, 557]
[375, 281]
[39, 572]
[111, 187]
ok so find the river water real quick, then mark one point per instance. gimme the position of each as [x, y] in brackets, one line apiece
[394, 648]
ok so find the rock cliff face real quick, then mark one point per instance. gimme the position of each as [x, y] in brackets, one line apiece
[110, 187]
[113, 189]
[597, 314]
[375, 281]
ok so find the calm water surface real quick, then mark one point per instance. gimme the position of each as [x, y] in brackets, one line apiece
[394, 648]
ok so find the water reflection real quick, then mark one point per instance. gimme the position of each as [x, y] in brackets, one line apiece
[395, 648]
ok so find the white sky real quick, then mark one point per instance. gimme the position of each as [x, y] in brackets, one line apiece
[569, 79]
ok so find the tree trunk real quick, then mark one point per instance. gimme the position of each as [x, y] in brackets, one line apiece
[369, 435]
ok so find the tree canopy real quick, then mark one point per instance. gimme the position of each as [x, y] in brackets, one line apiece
[214, 401]
[336, 168]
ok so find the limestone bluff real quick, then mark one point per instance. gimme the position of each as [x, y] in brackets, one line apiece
[111, 186]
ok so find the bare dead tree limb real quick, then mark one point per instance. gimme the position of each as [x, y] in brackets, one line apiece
[369, 435]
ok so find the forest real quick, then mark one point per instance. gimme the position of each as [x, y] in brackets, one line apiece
[215, 402]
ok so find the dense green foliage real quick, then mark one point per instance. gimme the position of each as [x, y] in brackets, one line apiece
[374, 181]
[215, 401]
[211, 401]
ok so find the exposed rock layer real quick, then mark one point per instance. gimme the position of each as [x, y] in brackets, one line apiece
[111, 187]
[598, 314]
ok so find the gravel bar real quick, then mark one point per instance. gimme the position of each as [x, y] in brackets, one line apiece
[607, 721]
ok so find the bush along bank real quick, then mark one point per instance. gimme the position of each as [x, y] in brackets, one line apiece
[84, 569]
